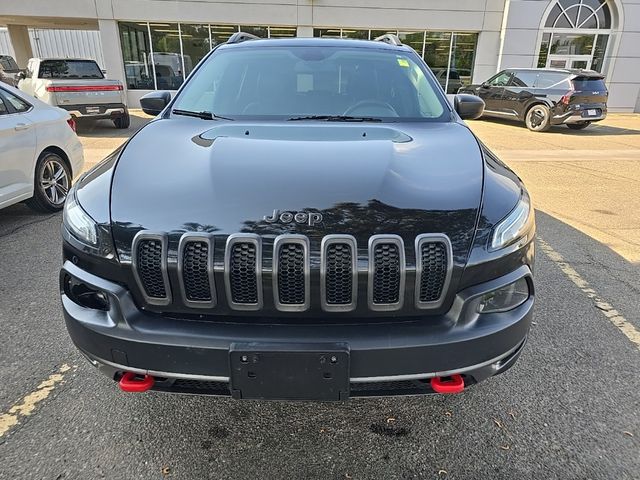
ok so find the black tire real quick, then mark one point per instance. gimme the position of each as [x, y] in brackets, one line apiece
[52, 181]
[122, 122]
[538, 118]
[578, 126]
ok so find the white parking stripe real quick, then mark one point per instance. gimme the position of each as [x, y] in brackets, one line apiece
[29, 403]
[605, 307]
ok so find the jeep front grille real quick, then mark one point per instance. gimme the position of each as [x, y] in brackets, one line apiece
[149, 254]
[289, 266]
[433, 269]
[195, 270]
[291, 273]
[338, 273]
[386, 272]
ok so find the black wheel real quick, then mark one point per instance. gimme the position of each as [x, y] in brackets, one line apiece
[538, 118]
[51, 184]
[122, 122]
[578, 126]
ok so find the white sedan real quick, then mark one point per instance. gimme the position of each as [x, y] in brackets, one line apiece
[40, 153]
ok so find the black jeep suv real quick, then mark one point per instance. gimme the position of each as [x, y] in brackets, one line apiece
[544, 97]
[305, 219]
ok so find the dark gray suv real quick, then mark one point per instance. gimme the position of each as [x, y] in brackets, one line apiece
[306, 219]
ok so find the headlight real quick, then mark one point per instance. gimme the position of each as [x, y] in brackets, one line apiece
[78, 222]
[514, 226]
[505, 298]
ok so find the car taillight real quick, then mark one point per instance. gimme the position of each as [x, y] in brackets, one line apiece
[72, 123]
[566, 98]
[83, 88]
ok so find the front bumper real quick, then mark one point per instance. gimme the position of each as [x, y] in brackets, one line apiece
[385, 358]
[96, 112]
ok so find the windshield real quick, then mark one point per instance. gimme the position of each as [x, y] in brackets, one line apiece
[291, 81]
[71, 69]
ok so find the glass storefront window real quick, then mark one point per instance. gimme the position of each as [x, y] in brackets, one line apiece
[282, 32]
[378, 33]
[544, 50]
[357, 34]
[462, 59]
[571, 44]
[258, 31]
[450, 55]
[599, 52]
[414, 39]
[134, 38]
[326, 32]
[166, 58]
[436, 54]
[195, 44]
[221, 33]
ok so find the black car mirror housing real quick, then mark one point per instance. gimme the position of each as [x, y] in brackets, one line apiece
[469, 107]
[153, 103]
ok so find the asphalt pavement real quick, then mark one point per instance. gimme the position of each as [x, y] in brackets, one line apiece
[569, 409]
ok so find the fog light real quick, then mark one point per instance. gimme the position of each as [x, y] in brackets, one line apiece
[505, 298]
[84, 295]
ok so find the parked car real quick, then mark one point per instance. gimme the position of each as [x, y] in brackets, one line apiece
[9, 70]
[307, 219]
[78, 86]
[545, 97]
[40, 152]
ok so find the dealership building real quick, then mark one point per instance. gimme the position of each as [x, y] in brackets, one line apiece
[154, 44]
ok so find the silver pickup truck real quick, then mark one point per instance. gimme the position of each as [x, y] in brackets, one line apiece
[78, 86]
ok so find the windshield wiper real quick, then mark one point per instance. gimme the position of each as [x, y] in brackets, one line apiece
[203, 115]
[335, 118]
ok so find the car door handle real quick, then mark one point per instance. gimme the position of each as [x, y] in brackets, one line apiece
[21, 126]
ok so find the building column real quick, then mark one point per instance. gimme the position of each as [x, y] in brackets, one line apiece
[19, 36]
[111, 50]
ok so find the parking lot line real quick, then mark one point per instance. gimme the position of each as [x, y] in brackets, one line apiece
[28, 404]
[605, 307]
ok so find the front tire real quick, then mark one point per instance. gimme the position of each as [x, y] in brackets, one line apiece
[52, 183]
[538, 118]
[122, 122]
[578, 126]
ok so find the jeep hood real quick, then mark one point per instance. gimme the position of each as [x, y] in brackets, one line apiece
[180, 175]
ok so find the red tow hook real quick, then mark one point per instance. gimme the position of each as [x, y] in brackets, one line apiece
[452, 384]
[129, 382]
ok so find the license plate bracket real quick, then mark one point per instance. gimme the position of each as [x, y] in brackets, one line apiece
[289, 372]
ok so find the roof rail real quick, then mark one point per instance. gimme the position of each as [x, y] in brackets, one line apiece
[389, 38]
[240, 37]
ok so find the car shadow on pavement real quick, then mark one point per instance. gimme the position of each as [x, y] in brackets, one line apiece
[106, 128]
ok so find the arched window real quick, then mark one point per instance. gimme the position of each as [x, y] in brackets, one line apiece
[576, 34]
[579, 14]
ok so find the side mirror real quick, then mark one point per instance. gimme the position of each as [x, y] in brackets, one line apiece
[469, 107]
[21, 75]
[485, 85]
[153, 103]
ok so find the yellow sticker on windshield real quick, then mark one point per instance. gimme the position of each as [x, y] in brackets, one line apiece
[403, 62]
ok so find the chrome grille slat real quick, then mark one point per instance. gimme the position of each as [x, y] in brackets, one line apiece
[434, 263]
[338, 273]
[149, 260]
[291, 273]
[195, 270]
[243, 271]
[387, 272]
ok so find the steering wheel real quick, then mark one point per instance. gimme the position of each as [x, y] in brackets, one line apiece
[371, 103]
